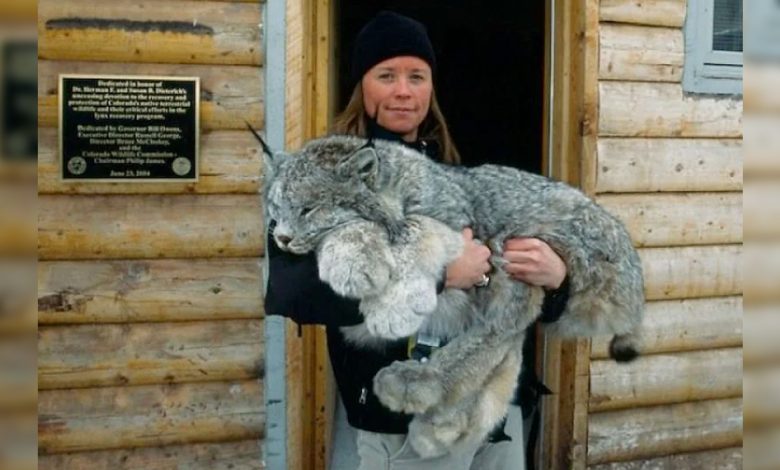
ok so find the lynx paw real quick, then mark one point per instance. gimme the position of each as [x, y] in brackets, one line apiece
[409, 387]
[435, 434]
[421, 295]
[353, 278]
[390, 325]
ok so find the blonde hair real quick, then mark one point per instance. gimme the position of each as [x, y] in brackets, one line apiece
[353, 121]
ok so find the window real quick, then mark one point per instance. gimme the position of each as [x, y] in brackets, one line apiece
[713, 47]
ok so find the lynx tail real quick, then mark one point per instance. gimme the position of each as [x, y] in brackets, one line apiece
[624, 348]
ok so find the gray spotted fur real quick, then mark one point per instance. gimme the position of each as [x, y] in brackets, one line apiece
[385, 221]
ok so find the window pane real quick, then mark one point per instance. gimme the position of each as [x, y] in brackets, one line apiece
[727, 26]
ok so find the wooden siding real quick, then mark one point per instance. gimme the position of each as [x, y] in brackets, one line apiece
[657, 431]
[173, 31]
[669, 165]
[184, 226]
[77, 356]
[245, 455]
[659, 379]
[686, 325]
[645, 12]
[641, 53]
[230, 162]
[723, 459]
[149, 415]
[650, 165]
[121, 291]
[150, 342]
[229, 96]
[643, 109]
[679, 219]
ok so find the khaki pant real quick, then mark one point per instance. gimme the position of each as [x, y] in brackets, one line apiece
[393, 452]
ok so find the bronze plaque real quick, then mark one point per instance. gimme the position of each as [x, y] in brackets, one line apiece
[129, 128]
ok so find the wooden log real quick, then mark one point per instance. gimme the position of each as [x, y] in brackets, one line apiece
[148, 226]
[647, 12]
[244, 455]
[761, 344]
[149, 290]
[660, 379]
[691, 272]
[641, 53]
[149, 415]
[149, 353]
[685, 325]
[762, 408]
[229, 96]
[661, 110]
[662, 430]
[722, 459]
[230, 162]
[194, 32]
[647, 165]
[678, 219]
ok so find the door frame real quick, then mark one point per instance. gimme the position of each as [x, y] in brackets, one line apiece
[571, 131]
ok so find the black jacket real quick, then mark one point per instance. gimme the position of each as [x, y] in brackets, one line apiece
[295, 291]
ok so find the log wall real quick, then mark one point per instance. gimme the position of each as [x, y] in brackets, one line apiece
[669, 165]
[150, 345]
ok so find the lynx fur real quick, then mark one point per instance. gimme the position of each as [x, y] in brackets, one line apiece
[385, 222]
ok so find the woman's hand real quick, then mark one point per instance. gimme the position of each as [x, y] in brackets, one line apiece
[472, 264]
[533, 261]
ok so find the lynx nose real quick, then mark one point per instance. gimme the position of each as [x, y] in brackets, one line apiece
[283, 240]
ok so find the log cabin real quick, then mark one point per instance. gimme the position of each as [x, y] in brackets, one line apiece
[153, 349]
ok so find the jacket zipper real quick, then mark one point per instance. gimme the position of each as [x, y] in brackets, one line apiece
[363, 395]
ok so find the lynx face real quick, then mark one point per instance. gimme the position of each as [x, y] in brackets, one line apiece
[306, 203]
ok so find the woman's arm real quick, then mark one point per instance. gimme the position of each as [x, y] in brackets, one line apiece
[534, 262]
[471, 265]
[296, 291]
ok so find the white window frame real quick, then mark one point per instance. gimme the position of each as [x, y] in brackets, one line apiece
[707, 70]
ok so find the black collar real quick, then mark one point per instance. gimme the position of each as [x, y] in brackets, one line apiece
[426, 147]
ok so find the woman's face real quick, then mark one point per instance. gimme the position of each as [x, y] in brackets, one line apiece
[398, 92]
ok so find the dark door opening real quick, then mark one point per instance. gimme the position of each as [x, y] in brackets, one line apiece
[490, 77]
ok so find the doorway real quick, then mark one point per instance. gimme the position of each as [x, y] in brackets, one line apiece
[490, 77]
[490, 82]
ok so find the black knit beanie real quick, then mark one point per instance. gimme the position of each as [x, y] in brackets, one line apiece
[390, 35]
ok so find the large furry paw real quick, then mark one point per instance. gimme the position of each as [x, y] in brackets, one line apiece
[437, 432]
[420, 294]
[400, 310]
[391, 325]
[355, 278]
[409, 387]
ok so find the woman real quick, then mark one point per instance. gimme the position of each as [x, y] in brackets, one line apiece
[392, 68]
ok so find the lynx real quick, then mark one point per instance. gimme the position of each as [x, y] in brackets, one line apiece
[385, 222]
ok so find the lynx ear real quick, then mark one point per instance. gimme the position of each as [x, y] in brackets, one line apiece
[269, 159]
[363, 164]
[265, 146]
